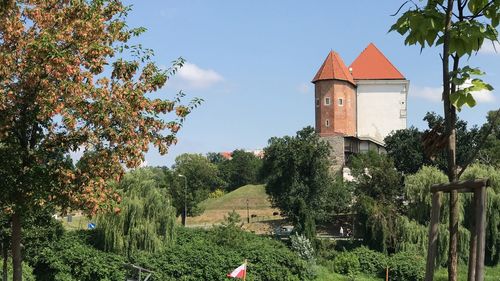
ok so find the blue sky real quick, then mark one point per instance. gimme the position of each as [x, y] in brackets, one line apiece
[252, 63]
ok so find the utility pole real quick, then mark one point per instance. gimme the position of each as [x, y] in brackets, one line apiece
[248, 213]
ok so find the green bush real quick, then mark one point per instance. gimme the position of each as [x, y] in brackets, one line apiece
[74, 259]
[346, 263]
[27, 272]
[371, 262]
[406, 266]
[195, 255]
[204, 255]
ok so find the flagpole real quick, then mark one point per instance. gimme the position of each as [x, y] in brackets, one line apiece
[245, 275]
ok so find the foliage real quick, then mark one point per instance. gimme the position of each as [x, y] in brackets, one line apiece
[478, 171]
[27, 272]
[74, 259]
[303, 247]
[41, 230]
[54, 65]
[216, 193]
[418, 196]
[405, 148]
[475, 22]
[379, 197]
[371, 262]
[243, 168]
[70, 80]
[406, 266]
[146, 221]
[346, 263]
[232, 219]
[467, 140]
[201, 177]
[201, 255]
[298, 179]
[376, 177]
[490, 152]
[460, 27]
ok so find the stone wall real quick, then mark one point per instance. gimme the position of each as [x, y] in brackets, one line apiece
[337, 152]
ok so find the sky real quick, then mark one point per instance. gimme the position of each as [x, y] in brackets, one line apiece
[252, 63]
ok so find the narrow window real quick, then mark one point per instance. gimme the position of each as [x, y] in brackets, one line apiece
[327, 123]
[341, 102]
[327, 101]
[317, 102]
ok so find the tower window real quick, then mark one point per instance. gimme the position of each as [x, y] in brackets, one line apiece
[327, 101]
[317, 102]
[341, 102]
[327, 123]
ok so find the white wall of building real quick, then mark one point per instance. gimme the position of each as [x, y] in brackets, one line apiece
[382, 107]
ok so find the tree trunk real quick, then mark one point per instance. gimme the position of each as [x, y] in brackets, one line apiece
[5, 257]
[16, 247]
[450, 118]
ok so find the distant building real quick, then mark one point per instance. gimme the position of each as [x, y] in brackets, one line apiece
[356, 107]
[228, 155]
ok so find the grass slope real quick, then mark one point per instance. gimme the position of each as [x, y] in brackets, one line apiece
[237, 199]
[217, 208]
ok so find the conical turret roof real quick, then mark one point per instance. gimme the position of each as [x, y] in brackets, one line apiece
[333, 68]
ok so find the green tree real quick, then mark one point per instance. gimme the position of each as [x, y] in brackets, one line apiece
[192, 179]
[405, 148]
[243, 168]
[461, 27]
[298, 178]
[379, 196]
[70, 80]
[146, 219]
[417, 193]
[490, 152]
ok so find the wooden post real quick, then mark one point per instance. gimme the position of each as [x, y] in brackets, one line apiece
[473, 239]
[433, 236]
[481, 233]
[387, 273]
[246, 269]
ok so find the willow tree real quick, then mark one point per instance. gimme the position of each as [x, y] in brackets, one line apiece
[460, 27]
[69, 80]
[146, 220]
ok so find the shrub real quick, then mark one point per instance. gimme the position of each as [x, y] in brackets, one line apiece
[216, 193]
[346, 263]
[74, 259]
[406, 266]
[27, 271]
[201, 255]
[302, 246]
[371, 262]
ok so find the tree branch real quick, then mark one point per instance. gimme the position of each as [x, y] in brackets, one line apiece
[400, 7]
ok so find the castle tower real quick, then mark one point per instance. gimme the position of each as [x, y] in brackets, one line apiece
[335, 98]
[381, 95]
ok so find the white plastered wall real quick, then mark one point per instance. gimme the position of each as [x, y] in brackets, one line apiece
[381, 108]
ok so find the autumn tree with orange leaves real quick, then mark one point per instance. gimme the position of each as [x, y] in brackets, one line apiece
[70, 79]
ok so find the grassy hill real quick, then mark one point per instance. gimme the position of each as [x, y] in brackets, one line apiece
[217, 208]
[237, 199]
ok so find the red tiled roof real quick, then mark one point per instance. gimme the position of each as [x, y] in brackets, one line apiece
[333, 68]
[372, 64]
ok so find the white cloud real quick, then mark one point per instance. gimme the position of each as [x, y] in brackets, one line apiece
[304, 88]
[490, 48]
[428, 93]
[197, 77]
[433, 94]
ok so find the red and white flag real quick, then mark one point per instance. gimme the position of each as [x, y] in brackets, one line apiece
[239, 272]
